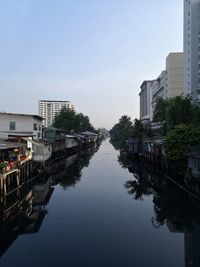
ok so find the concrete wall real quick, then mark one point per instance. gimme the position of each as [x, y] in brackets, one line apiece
[24, 124]
[145, 100]
[174, 75]
[192, 49]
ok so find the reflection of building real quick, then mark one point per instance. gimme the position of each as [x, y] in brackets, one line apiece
[176, 208]
[48, 109]
[23, 211]
[192, 246]
[191, 240]
[192, 49]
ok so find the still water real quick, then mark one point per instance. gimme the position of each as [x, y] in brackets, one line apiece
[96, 210]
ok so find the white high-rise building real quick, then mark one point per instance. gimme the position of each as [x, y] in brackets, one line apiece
[48, 109]
[192, 49]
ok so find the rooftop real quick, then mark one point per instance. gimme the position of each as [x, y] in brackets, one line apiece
[9, 145]
[23, 115]
[54, 101]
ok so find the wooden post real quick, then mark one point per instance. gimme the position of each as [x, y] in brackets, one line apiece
[5, 187]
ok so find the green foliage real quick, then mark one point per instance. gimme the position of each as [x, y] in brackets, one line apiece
[69, 120]
[140, 130]
[179, 142]
[122, 131]
[175, 111]
[160, 110]
[126, 129]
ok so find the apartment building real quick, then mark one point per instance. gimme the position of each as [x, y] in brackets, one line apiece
[145, 100]
[168, 84]
[192, 49]
[48, 109]
[158, 89]
[174, 75]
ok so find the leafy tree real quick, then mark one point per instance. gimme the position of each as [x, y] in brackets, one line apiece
[69, 120]
[141, 130]
[160, 110]
[175, 111]
[126, 129]
[179, 142]
[122, 131]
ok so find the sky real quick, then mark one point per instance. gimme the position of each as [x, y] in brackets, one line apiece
[95, 53]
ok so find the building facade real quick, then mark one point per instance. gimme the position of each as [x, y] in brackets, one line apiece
[145, 101]
[20, 124]
[158, 89]
[174, 75]
[48, 109]
[192, 49]
[168, 84]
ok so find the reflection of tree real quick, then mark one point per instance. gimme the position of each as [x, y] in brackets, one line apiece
[174, 205]
[171, 204]
[73, 173]
[123, 159]
[117, 144]
[138, 188]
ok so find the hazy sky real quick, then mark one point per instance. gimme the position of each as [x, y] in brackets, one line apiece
[95, 53]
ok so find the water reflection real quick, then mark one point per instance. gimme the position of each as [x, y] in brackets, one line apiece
[175, 204]
[23, 211]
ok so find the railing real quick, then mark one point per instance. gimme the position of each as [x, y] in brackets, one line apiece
[8, 166]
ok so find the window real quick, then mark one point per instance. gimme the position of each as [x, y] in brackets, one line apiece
[34, 126]
[12, 125]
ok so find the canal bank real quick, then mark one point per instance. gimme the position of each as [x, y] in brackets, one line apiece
[98, 222]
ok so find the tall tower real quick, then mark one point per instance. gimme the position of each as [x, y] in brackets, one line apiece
[192, 49]
[48, 109]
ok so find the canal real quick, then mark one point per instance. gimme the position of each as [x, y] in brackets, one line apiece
[98, 210]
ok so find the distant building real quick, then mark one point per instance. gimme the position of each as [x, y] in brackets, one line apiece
[192, 49]
[20, 124]
[48, 109]
[158, 89]
[168, 84]
[174, 75]
[145, 101]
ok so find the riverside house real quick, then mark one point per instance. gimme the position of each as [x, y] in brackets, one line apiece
[13, 124]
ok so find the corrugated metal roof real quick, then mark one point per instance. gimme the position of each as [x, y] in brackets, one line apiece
[9, 145]
[19, 114]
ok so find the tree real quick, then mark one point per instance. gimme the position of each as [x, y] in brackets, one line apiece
[179, 142]
[175, 111]
[69, 120]
[160, 110]
[121, 131]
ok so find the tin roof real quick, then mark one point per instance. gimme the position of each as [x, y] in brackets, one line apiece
[9, 145]
[23, 115]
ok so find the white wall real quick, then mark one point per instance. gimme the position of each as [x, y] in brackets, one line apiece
[24, 124]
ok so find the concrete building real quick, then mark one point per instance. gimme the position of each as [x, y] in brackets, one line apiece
[168, 84]
[48, 109]
[20, 124]
[158, 89]
[174, 75]
[145, 101]
[192, 49]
